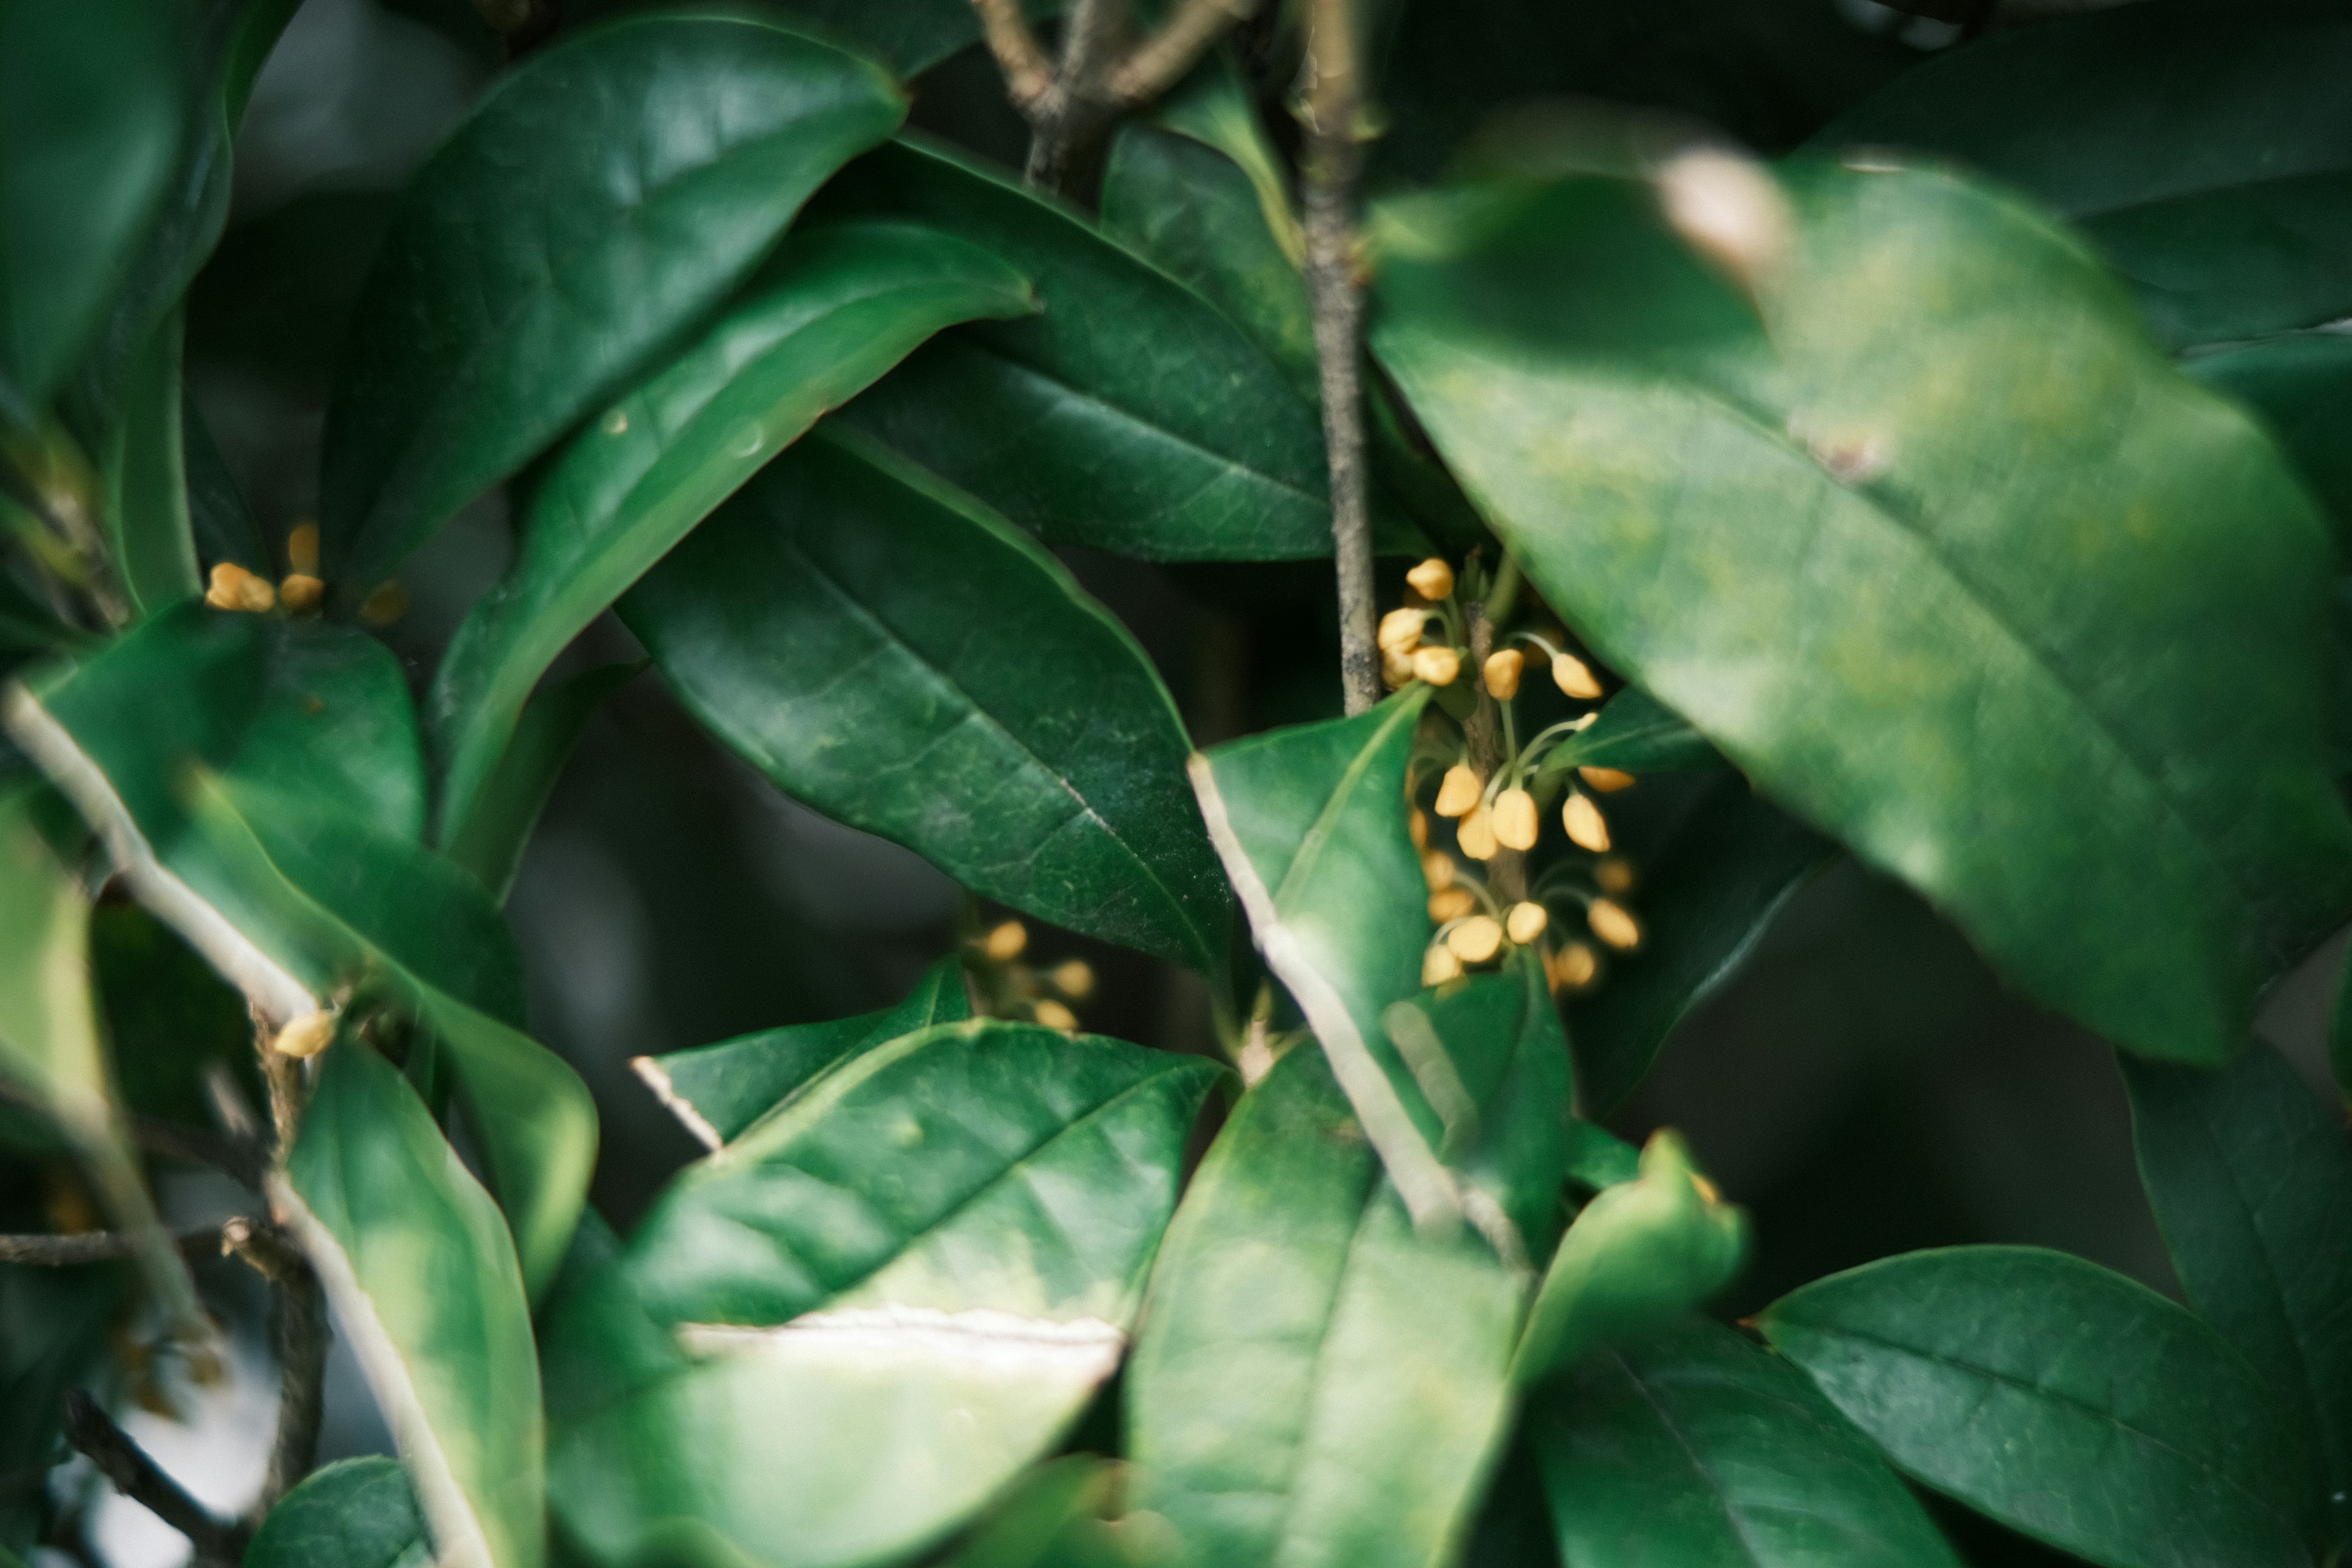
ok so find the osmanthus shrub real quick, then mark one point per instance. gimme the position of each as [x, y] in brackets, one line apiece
[1927, 439]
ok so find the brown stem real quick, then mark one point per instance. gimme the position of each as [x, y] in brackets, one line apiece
[1334, 160]
[1161, 61]
[1028, 73]
[298, 1333]
[94, 1247]
[89, 1429]
[1074, 108]
[1506, 873]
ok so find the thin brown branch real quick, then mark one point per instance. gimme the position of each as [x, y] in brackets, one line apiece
[1329, 108]
[298, 1333]
[1160, 62]
[1506, 873]
[89, 1429]
[1028, 72]
[1069, 114]
[95, 1246]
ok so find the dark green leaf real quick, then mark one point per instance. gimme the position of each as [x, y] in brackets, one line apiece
[506, 807]
[1715, 874]
[2302, 384]
[223, 525]
[1692, 1448]
[2204, 149]
[90, 108]
[720, 1090]
[2065, 1401]
[653, 160]
[838, 305]
[1918, 657]
[904, 661]
[1310, 823]
[1634, 734]
[2251, 1182]
[145, 479]
[1132, 413]
[919, 1268]
[1640, 1254]
[360, 1513]
[422, 1275]
[54, 1327]
[1315, 1383]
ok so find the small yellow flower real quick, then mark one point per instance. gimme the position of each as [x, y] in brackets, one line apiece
[1458, 791]
[1433, 580]
[1416, 825]
[1400, 630]
[1054, 1015]
[1502, 673]
[1574, 677]
[1526, 923]
[1437, 869]
[1475, 940]
[1586, 828]
[1439, 965]
[306, 1035]
[1074, 978]
[385, 604]
[1451, 904]
[1006, 943]
[1515, 820]
[1615, 875]
[1614, 924]
[235, 588]
[1572, 968]
[301, 592]
[302, 549]
[1396, 669]
[1477, 835]
[1438, 666]
[1608, 781]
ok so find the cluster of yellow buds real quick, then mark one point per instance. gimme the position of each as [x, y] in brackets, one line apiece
[1473, 930]
[301, 590]
[1011, 988]
[1405, 655]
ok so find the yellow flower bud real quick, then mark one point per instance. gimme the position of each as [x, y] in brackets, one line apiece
[1572, 968]
[385, 604]
[1574, 675]
[1074, 978]
[1614, 924]
[1054, 1015]
[1526, 923]
[1438, 868]
[1006, 943]
[1615, 875]
[1515, 820]
[1437, 666]
[1502, 673]
[235, 588]
[301, 592]
[1433, 580]
[1477, 835]
[1475, 940]
[1399, 630]
[1439, 965]
[306, 1035]
[1585, 826]
[302, 549]
[1458, 791]
[1396, 669]
[1451, 904]
[1416, 826]
[1608, 781]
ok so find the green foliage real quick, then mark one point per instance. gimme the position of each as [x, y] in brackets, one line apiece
[360, 1513]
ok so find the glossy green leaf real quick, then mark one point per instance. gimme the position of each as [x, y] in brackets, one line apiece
[225, 761]
[835, 1338]
[144, 479]
[838, 305]
[1315, 1382]
[90, 108]
[2301, 383]
[360, 1513]
[2252, 1182]
[418, 1266]
[652, 161]
[1918, 657]
[1635, 734]
[2204, 150]
[908, 36]
[720, 1090]
[1200, 449]
[1310, 823]
[1715, 874]
[906, 661]
[1054, 1520]
[2065, 1401]
[498, 827]
[1639, 1255]
[51, 1052]
[1690, 1447]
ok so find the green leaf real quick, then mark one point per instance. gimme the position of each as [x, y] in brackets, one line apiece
[360, 1513]
[1310, 823]
[837, 306]
[1639, 1255]
[1715, 874]
[904, 661]
[498, 827]
[1634, 734]
[1691, 1447]
[422, 1275]
[919, 1268]
[1316, 1383]
[2251, 1182]
[55, 1324]
[90, 108]
[2062, 1400]
[2302, 384]
[1200, 449]
[51, 1052]
[1982, 580]
[910, 37]
[2202, 149]
[654, 160]
[1054, 1520]
[720, 1090]
[144, 479]
[223, 525]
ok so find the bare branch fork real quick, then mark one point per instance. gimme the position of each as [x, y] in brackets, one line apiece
[219, 1545]
[1067, 101]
